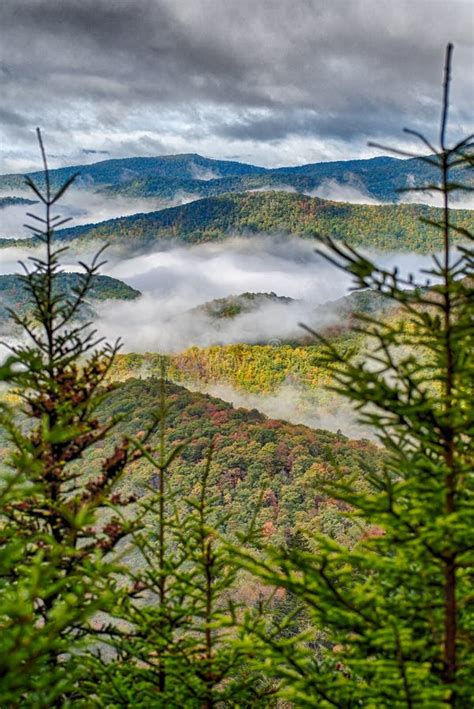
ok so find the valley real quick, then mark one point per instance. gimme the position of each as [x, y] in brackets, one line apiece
[188, 265]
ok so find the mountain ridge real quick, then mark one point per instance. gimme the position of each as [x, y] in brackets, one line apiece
[382, 227]
[378, 177]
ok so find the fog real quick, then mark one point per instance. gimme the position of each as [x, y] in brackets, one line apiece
[354, 193]
[459, 200]
[274, 188]
[177, 279]
[83, 207]
[296, 404]
[348, 192]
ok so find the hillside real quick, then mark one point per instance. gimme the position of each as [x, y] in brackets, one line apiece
[373, 226]
[253, 454]
[364, 301]
[14, 295]
[263, 368]
[376, 178]
[283, 378]
[379, 177]
[234, 305]
[15, 202]
[259, 369]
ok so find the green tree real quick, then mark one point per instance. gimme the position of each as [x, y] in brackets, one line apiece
[394, 616]
[177, 639]
[57, 524]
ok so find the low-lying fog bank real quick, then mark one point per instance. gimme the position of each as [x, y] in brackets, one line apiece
[177, 279]
[296, 405]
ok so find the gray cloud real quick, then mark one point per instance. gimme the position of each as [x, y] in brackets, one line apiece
[315, 79]
[91, 151]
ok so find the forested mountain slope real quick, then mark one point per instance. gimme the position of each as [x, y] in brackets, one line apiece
[253, 456]
[215, 218]
[377, 178]
[116, 171]
[14, 294]
[15, 202]
[164, 176]
[234, 305]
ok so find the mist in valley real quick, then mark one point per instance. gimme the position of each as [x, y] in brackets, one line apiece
[87, 206]
[296, 404]
[82, 206]
[175, 280]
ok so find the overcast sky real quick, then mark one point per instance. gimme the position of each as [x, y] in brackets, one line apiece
[271, 82]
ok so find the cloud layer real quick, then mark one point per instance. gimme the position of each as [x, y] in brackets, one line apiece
[177, 279]
[274, 82]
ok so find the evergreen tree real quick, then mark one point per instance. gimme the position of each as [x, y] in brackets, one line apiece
[394, 616]
[57, 524]
[179, 641]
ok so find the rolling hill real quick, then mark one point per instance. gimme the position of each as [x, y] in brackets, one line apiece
[286, 379]
[383, 227]
[376, 178]
[122, 170]
[252, 454]
[234, 305]
[14, 295]
[15, 201]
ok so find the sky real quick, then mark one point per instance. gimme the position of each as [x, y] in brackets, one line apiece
[273, 82]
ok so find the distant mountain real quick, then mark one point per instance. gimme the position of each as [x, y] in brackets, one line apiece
[15, 201]
[378, 178]
[171, 187]
[215, 218]
[14, 295]
[117, 171]
[164, 176]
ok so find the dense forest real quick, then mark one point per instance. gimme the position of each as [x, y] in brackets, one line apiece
[399, 227]
[253, 454]
[254, 368]
[233, 305]
[378, 178]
